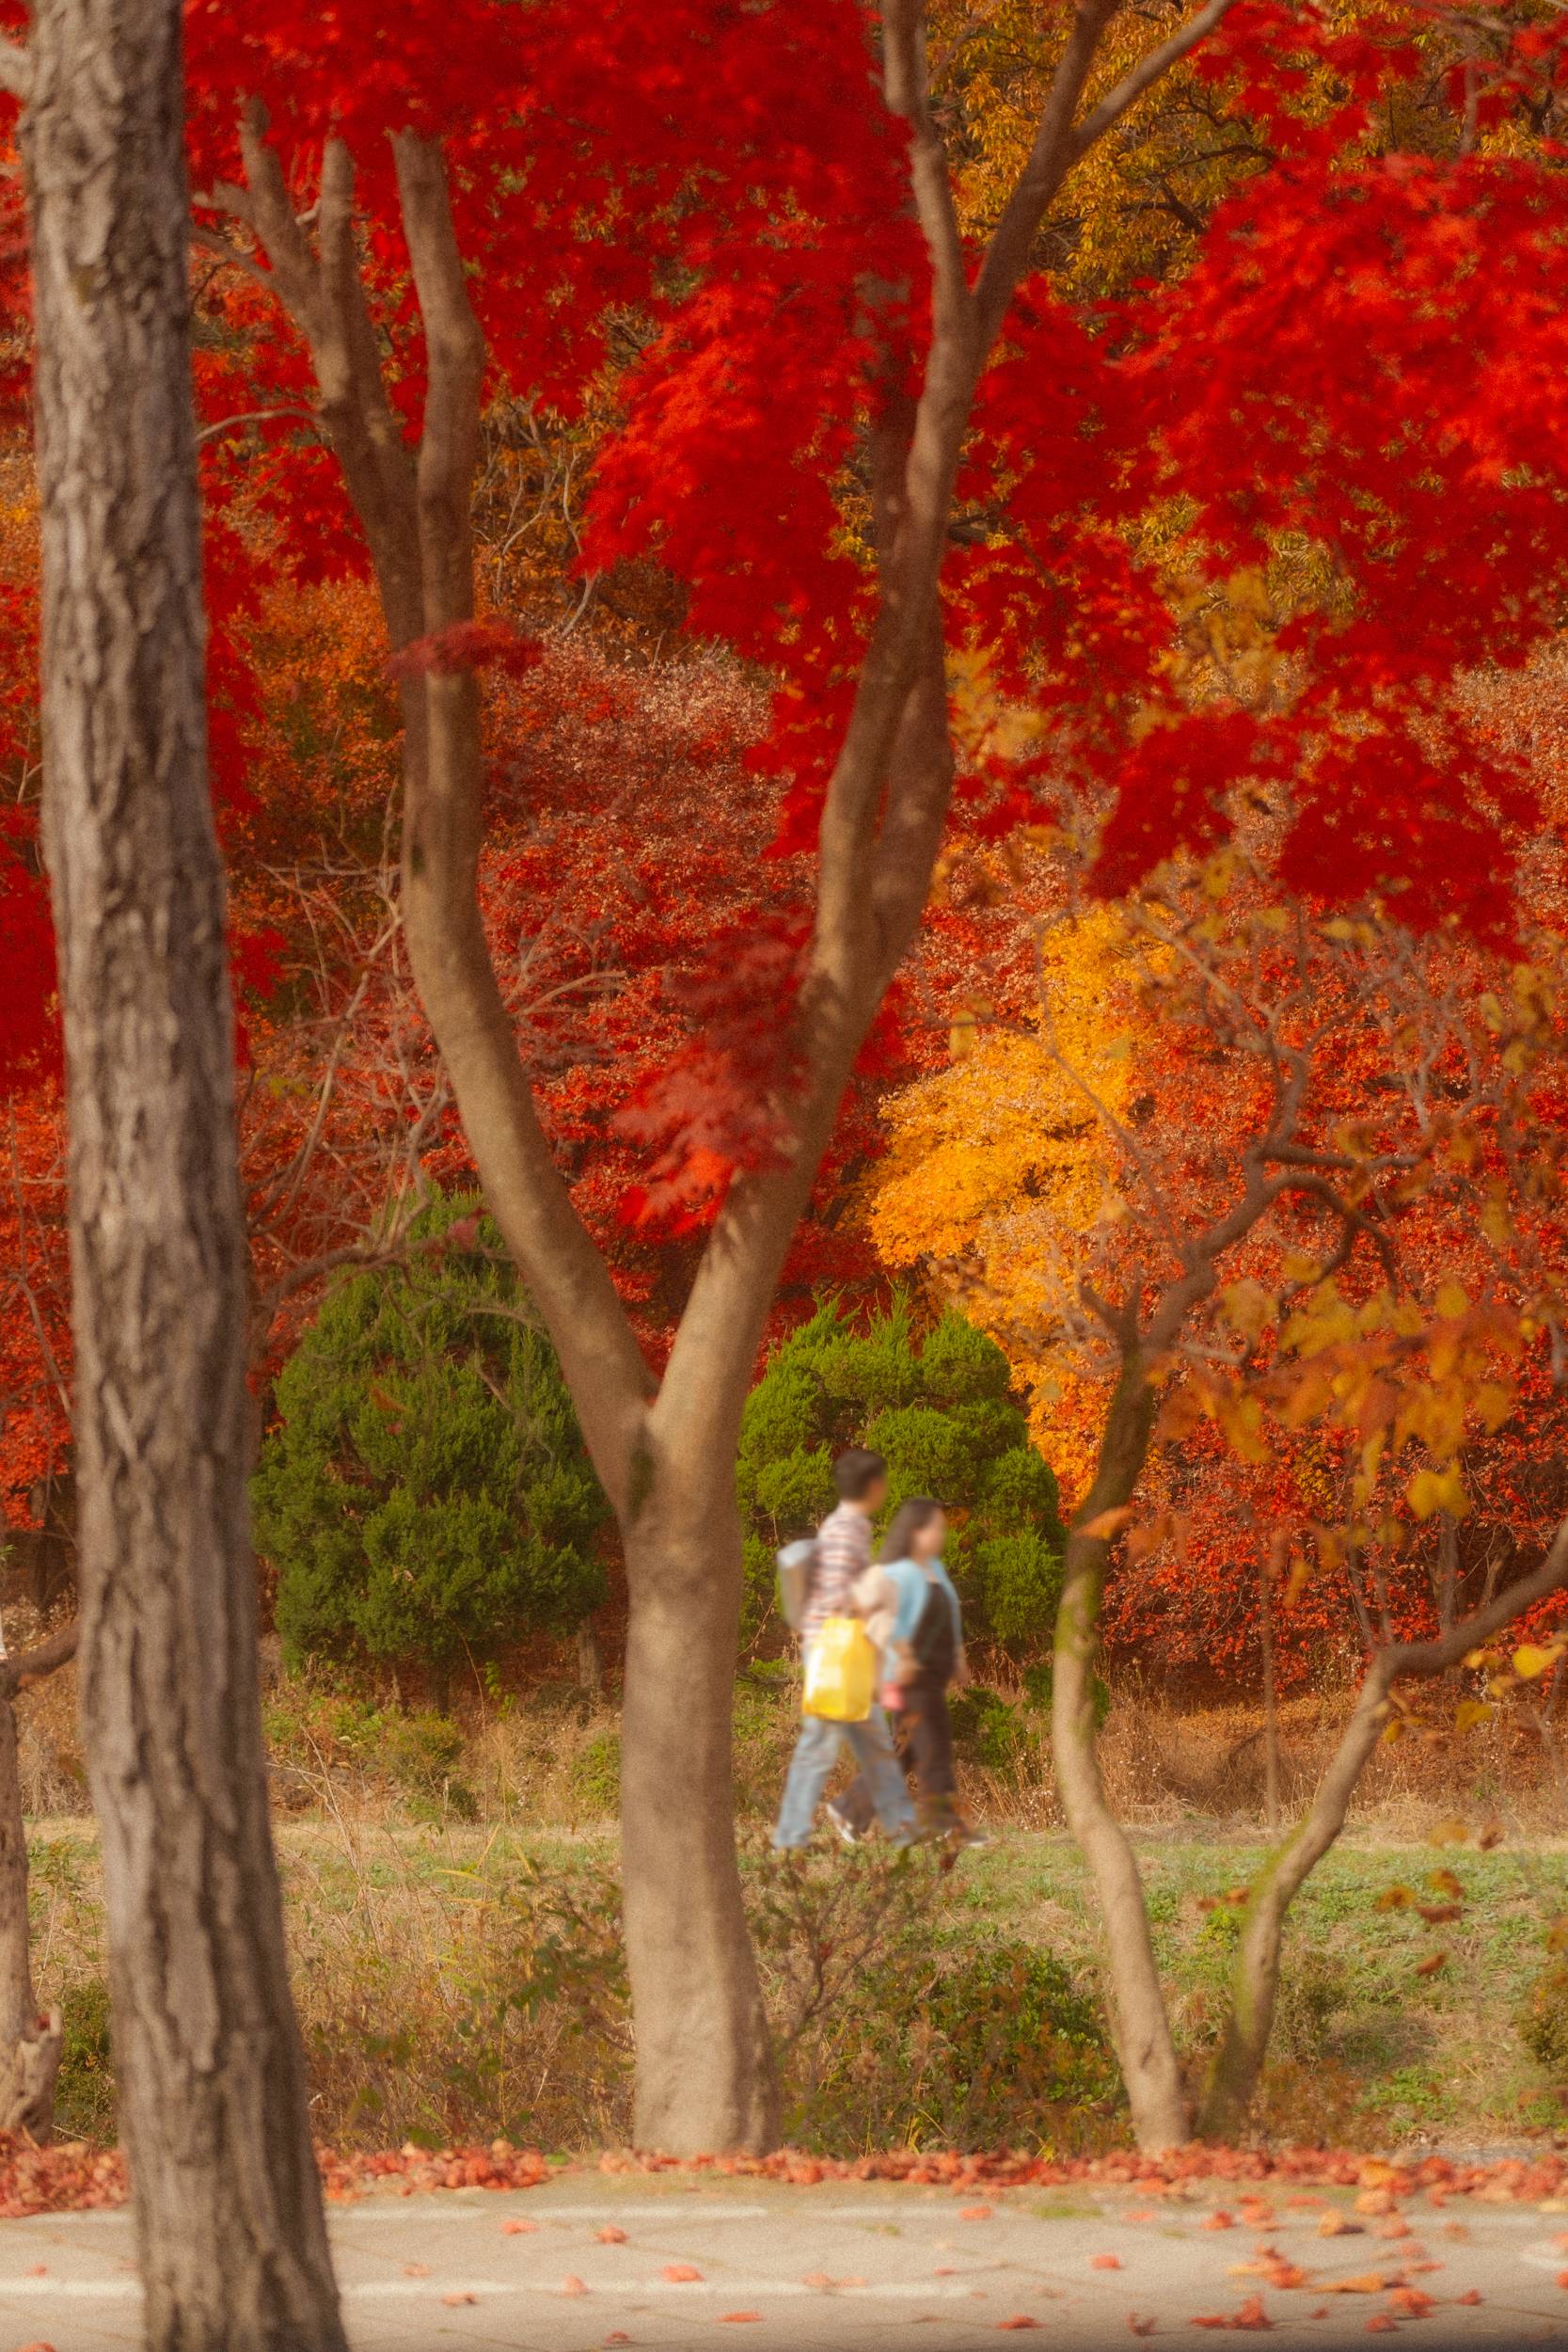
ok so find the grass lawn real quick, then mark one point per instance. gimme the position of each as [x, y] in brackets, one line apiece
[463, 1981]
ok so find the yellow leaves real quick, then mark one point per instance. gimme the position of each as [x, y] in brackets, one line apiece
[1470, 1712]
[1395, 1898]
[1437, 1490]
[1531, 1659]
[1249, 1307]
[960, 1037]
[1450, 1831]
[1445, 1883]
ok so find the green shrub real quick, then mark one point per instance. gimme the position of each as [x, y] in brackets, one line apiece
[84, 2089]
[939, 1409]
[596, 1775]
[1543, 2022]
[425, 1494]
[895, 2029]
[990, 1731]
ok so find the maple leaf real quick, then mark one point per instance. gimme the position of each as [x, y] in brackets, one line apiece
[680, 2274]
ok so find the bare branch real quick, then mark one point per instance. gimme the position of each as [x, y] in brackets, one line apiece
[1144, 75]
[19, 1673]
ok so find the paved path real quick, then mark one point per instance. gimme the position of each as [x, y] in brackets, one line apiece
[588, 2260]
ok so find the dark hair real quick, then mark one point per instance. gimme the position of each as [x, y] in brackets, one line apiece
[906, 1524]
[854, 1471]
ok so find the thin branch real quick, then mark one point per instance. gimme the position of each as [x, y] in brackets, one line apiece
[1144, 75]
[18, 1673]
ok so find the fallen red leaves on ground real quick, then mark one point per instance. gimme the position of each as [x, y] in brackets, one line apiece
[75, 2176]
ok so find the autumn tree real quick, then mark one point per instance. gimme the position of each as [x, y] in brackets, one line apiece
[871, 235]
[1322, 1209]
[231, 2236]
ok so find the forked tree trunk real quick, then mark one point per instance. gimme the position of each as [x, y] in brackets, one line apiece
[29, 2044]
[212, 2099]
[704, 2068]
[1238, 2062]
[1141, 2029]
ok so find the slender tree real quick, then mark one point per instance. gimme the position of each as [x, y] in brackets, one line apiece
[664, 1449]
[229, 2222]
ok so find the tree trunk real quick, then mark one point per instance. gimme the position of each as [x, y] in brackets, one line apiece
[1234, 2075]
[29, 2044]
[704, 2069]
[1238, 2062]
[212, 2099]
[1142, 2030]
[590, 1659]
[1271, 1707]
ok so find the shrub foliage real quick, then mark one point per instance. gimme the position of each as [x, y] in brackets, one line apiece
[941, 1411]
[425, 1493]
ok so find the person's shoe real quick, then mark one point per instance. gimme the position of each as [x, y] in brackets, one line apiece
[842, 1826]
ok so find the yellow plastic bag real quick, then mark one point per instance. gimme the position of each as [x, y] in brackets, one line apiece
[841, 1672]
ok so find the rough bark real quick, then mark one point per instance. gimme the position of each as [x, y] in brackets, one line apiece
[30, 2042]
[704, 2066]
[664, 1451]
[1145, 2048]
[1238, 2062]
[213, 2098]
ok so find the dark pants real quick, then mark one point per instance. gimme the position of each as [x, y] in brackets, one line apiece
[925, 1736]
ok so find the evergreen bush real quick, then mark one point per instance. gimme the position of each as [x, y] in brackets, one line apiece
[940, 1408]
[425, 1494]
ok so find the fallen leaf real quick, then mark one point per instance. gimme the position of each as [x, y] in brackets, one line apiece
[1394, 1898]
[1139, 2327]
[572, 2284]
[518, 2229]
[1104, 2262]
[1470, 2296]
[37, 2270]
[1562, 2278]
[945, 2270]
[975, 2212]
[1492, 1835]
[1445, 1883]
[1369, 2282]
[1020, 2319]
[1374, 2200]
[1439, 1915]
[1220, 2221]
[610, 2236]
[460, 2295]
[1413, 2300]
[1381, 2325]
[1250, 2319]
[739, 2318]
[416, 2270]
[1430, 1967]
[1396, 2225]
[680, 2275]
[820, 2278]
[1335, 2224]
[617, 2335]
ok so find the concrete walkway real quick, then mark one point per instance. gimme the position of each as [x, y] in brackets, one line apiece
[589, 2260]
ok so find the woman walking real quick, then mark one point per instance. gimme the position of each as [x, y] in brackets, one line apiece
[914, 1616]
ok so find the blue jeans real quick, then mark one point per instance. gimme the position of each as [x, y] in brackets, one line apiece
[816, 1754]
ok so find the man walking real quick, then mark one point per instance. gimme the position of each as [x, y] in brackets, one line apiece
[843, 1554]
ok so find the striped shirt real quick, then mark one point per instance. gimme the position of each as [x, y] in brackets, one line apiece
[843, 1554]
